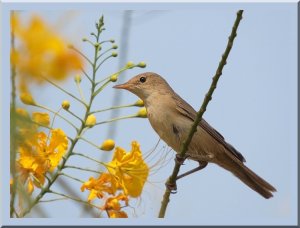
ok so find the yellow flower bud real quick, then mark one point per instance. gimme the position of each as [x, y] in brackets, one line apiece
[114, 54]
[115, 46]
[114, 77]
[130, 64]
[108, 145]
[65, 105]
[26, 98]
[90, 121]
[142, 64]
[139, 103]
[77, 78]
[142, 113]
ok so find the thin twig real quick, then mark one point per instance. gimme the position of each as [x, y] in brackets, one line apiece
[208, 97]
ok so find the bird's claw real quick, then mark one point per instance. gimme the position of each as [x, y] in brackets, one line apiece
[179, 159]
[172, 187]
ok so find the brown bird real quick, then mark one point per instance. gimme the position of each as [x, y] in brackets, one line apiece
[172, 117]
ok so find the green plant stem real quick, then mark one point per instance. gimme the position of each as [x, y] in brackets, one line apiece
[80, 168]
[208, 97]
[88, 77]
[13, 129]
[103, 61]
[89, 142]
[92, 159]
[63, 90]
[50, 110]
[118, 72]
[53, 200]
[103, 53]
[80, 92]
[74, 199]
[73, 114]
[115, 119]
[83, 55]
[73, 178]
[114, 107]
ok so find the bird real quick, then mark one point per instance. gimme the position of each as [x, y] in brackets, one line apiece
[171, 117]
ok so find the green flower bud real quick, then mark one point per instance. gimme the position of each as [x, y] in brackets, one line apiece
[114, 77]
[130, 64]
[114, 54]
[77, 78]
[142, 64]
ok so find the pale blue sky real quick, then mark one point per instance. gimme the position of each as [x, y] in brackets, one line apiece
[254, 105]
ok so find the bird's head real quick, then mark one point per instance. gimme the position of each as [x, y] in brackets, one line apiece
[146, 84]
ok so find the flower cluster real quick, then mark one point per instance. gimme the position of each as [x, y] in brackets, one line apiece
[39, 153]
[127, 174]
[40, 53]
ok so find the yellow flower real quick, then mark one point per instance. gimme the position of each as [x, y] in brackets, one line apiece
[108, 145]
[65, 105]
[90, 121]
[129, 169]
[40, 51]
[41, 118]
[105, 183]
[26, 98]
[37, 156]
[142, 113]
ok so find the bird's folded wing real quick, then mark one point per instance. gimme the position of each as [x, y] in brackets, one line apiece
[188, 111]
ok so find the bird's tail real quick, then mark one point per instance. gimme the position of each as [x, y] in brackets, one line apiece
[247, 176]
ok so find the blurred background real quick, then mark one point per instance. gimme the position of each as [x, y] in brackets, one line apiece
[254, 106]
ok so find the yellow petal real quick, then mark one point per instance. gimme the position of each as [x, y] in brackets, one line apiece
[41, 118]
[26, 98]
[117, 214]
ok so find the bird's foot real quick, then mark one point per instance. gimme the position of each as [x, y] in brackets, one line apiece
[180, 159]
[172, 187]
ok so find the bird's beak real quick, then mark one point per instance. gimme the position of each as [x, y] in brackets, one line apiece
[122, 86]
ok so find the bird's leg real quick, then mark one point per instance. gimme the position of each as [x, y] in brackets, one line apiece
[202, 165]
[173, 187]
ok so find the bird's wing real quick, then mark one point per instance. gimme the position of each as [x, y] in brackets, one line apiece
[188, 111]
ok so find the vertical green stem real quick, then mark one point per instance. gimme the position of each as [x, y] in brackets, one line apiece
[13, 127]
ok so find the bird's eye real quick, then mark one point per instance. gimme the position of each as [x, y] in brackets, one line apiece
[142, 79]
